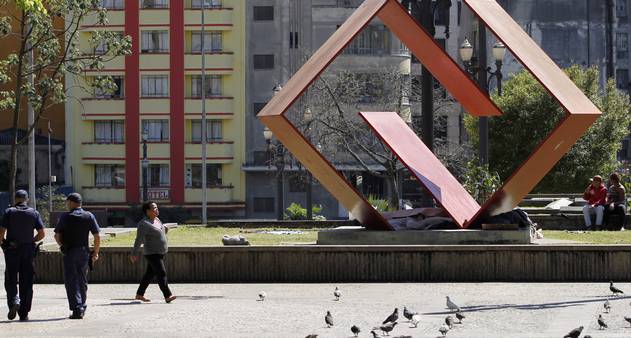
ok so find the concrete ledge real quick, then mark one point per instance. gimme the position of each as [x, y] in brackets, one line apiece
[361, 236]
[323, 264]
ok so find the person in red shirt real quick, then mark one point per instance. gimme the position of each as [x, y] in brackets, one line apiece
[595, 195]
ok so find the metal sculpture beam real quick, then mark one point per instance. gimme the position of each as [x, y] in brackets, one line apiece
[581, 112]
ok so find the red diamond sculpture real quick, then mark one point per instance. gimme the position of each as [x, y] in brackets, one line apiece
[581, 113]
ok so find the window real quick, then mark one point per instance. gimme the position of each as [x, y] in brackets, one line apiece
[373, 40]
[263, 13]
[441, 15]
[109, 175]
[207, 4]
[212, 42]
[258, 106]
[158, 130]
[112, 4]
[154, 42]
[621, 8]
[109, 131]
[213, 85]
[114, 93]
[158, 175]
[263, 204]
[155, 85]
[102, 48]
[293, 40]
[194, 176]
[264, 61]
[622, 78]
[154, 4]
[213, 130]
[622, 45]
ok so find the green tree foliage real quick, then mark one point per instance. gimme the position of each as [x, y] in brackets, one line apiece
[530, 114]
[295, 211]
[56, 53]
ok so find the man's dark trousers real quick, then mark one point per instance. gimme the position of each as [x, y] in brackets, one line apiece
[76, 277]
[19, 270]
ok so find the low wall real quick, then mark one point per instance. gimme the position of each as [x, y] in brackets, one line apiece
[304, 264]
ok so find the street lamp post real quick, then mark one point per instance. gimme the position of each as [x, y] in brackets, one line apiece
[50, 172]
[277, 155]
[145, 164]
[308, 117]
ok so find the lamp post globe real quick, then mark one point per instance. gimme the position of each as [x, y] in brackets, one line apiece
[466, 51]
[499, 50]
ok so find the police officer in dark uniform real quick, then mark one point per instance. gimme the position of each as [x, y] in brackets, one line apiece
[17, 224]
[71, 233]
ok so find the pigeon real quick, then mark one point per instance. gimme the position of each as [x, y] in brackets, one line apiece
[628, 319]
[312, 336]
[451, 305]
[262, 296]
[574, 333]
[337, 293]
[374, 334]
[607, 306]
[328, 319]
[415, 320]
[460, 316]
[407, 313]
[355, 330]
[449, 320]
[587, 336]
[601, 322]
[443, 330]
[386, 328]
[614, 289]
[393, 317]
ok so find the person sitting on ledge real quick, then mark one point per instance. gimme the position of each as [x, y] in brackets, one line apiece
[616, 203]
[595, 195]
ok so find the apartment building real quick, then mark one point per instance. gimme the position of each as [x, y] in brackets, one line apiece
[158, 100]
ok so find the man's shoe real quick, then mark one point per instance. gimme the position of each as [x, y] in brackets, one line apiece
[76, 315]
[170, 299]
[142, 298]
[24, 318]
[13, 311]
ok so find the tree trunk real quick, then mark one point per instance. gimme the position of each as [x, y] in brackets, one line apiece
[392, 190]
[13, 168]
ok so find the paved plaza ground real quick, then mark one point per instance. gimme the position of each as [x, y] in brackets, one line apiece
[296, 310]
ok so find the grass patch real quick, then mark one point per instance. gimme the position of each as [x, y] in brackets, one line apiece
[591, 237]
[201, 236]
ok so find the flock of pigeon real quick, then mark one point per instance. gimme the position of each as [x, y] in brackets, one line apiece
[414, 318]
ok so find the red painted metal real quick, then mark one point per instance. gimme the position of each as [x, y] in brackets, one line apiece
[132, 104]
[176, 41]
[424, 165]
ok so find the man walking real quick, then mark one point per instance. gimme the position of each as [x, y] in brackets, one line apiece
[595, 195]
[72, 233]
[18, 224]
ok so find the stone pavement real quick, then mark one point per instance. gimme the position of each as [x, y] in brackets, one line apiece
[296, 310]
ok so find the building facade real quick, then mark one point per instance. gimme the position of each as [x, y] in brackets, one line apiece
[159, 93]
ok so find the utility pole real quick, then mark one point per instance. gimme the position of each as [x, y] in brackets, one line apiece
[31, 135]
[483, 126]
[204, 126]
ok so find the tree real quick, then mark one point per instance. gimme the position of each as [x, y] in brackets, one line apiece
[55, 53]
[530, 114]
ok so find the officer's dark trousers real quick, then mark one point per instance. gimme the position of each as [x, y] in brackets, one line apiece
[155, 268]
[76, 277]
[19, 270]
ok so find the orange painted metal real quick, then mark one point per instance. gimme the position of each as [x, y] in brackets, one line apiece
[424, 165]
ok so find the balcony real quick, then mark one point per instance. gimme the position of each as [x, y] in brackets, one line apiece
[159, 105]
[215, 152]
[154, 16]
[157, 150]
[215, 195]
[216, 63]
[102, 109]
[103, 194]
[100, 152]
[115, 18]
[159, 61]
[219, 18]
[213, 105]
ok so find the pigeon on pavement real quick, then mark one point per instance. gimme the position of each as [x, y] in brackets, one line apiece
[443, 330]
[449, 320]
[601, 322]
[312, 336]
[337, 293]
[614, 289]
[408, 313]
[393, 317]
[451, 305]
[328, 319]
[574, 333]
[262, 296]
[386, 328]
[374, 334]
[355, 330]
[628, 319]
[415, 320]
[460, 316]
[607, 306]
[587, 336]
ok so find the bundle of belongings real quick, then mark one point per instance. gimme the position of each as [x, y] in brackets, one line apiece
[438, 219]
[234, 240]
